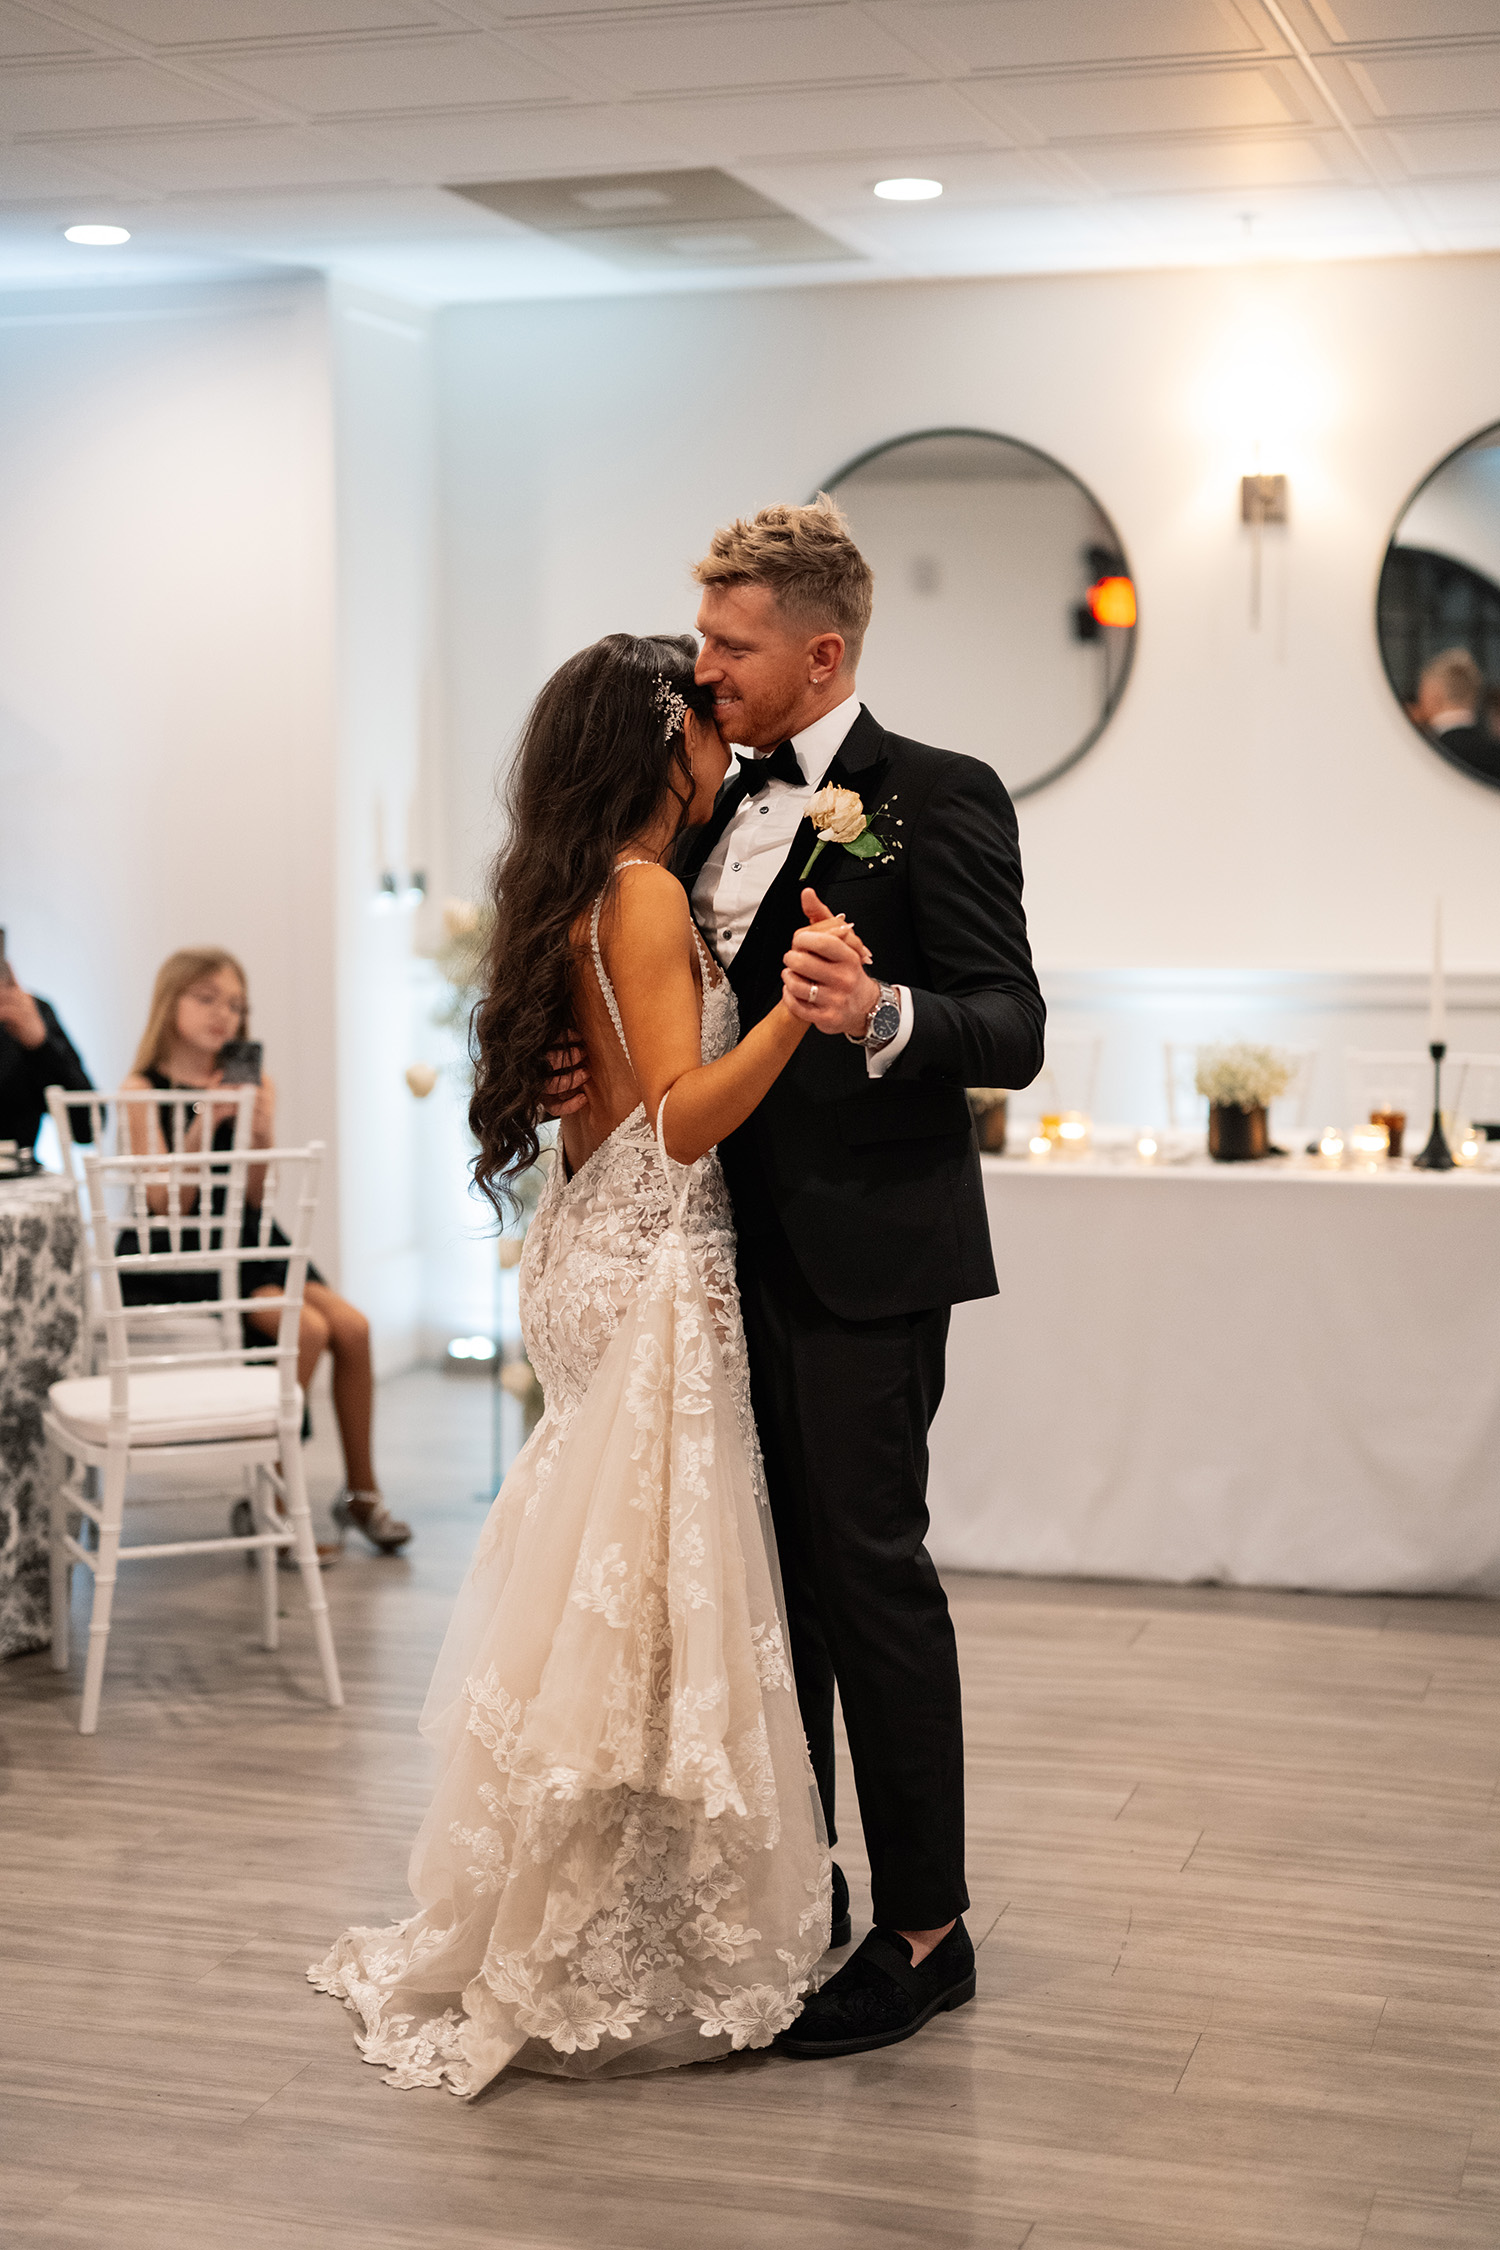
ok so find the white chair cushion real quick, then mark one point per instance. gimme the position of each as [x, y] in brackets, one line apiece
[186, 1406]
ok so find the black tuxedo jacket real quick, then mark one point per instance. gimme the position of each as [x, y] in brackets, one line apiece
[875, 1181]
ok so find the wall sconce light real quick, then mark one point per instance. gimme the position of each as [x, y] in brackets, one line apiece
[1262, 501]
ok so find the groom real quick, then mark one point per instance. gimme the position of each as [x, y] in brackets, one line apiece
[858, 1202]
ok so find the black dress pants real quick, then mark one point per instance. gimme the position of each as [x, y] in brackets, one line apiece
[843, 1409]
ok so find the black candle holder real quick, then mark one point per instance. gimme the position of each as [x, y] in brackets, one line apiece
[1436, 1156]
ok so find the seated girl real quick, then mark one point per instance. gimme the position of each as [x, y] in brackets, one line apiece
[201, 1001]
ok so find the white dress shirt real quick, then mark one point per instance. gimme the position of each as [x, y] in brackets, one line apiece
[749, 856]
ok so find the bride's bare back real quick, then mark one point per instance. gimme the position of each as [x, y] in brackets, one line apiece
[613, 1088]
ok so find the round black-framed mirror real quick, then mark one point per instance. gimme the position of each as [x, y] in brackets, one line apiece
[1005, 609]
[1437, 607]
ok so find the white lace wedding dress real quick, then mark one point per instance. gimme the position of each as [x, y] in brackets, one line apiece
[624, 1866]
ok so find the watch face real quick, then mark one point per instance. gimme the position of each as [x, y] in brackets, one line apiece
[886, 1021]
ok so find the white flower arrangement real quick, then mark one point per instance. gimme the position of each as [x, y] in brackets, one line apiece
[1242, 1077]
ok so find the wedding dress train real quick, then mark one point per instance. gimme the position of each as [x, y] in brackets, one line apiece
[624, 1865]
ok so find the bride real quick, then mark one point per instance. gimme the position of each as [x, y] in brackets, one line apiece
[624, 1865]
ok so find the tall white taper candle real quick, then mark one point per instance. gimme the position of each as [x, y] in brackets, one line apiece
[1437, 1013]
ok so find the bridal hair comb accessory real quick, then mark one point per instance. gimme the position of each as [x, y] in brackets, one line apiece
[670, 704]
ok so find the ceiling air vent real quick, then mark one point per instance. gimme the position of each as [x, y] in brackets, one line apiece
[661, 219]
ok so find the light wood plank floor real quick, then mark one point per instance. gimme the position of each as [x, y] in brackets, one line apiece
[1234, 1863]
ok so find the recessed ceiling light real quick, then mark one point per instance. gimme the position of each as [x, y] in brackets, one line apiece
[908, 191]
[97, 238]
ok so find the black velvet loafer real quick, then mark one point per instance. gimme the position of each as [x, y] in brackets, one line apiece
[878, 1998]
[843, 1925]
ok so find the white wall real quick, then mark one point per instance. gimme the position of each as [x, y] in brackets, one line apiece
[1259, 803]
[166, 683]
[389, 796]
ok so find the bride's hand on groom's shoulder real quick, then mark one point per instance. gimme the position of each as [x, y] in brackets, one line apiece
[568, 1087]
[824, 976]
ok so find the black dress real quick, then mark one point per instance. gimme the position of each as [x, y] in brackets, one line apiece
[203, 1288]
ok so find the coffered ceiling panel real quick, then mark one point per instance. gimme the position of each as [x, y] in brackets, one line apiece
[260, 158]
[1433, 151]
[1301, 223]
[1469, 210]
[29, 172]
[185, 23]
[572, 12]
[1151, 102]
[1406, 19]
[490, 145]
[25, 34]
[1462, 80]
[462, 70]
[1145, 168]
[892, 123]
[100, 95]
[1065, 133]
[726, 47]
[1017, 33]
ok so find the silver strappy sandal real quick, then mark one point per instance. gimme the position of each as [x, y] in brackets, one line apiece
[367, 1512]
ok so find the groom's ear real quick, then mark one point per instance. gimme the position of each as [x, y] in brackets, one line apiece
[825, 657]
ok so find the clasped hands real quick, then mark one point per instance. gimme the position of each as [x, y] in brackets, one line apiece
[825, 978]
[824, 982]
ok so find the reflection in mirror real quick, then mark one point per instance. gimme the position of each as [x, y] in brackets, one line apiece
[1004, 607]
[1438, 610]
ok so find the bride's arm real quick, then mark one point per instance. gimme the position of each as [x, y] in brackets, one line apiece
[649, 954]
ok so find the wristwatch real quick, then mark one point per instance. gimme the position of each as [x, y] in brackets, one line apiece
[882, 1023]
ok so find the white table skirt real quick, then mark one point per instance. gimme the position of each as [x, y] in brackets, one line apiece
[1258, 1374]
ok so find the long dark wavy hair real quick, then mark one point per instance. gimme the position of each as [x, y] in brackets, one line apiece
[594, 765]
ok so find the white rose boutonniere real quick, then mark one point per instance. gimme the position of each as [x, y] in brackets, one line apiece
[838, 817]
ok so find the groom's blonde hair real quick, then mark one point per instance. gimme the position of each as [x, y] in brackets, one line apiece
[807, 562]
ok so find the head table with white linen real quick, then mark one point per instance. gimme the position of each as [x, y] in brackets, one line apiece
[1268, 1374]
[41, 1333]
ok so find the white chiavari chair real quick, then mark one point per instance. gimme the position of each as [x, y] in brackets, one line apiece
[1471, 1088]
[1069, 1075]
[1289, 1115]
[1390, 1082]
[233, 1414]
[1186, 1107]
[124, 1121]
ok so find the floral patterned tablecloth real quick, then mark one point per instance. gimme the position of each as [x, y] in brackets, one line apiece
[41, 1334]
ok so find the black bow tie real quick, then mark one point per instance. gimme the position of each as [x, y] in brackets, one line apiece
[780, 766]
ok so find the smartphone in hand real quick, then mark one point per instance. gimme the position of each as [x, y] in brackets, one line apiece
[239, 1062]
